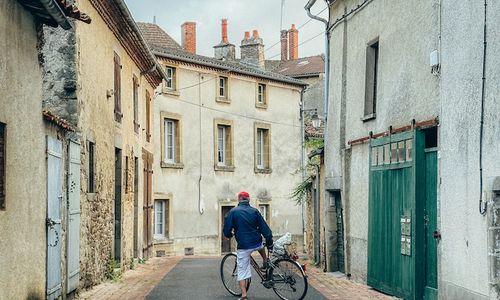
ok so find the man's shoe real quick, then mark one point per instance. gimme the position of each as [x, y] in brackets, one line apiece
[243, 298]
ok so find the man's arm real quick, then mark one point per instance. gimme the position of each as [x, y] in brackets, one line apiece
[228, 226]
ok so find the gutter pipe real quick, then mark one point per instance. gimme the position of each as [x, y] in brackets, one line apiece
[482, 204]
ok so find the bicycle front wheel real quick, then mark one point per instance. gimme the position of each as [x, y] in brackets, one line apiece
[290, 281]
[229, 275]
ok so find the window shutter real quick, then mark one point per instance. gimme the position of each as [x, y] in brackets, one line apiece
[148, 117]
[2, 166]
[117, 89]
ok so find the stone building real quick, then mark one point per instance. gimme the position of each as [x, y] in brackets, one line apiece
[103, 86]
[29, 169]
[221, 127]
[411, 145]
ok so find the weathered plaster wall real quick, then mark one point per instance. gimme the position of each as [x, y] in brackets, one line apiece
[22, 223]
[198, 109]
[406, 90]
[314, 94]
[464, 265]
[96, 121]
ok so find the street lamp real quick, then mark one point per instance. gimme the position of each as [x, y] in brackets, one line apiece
[316, 121]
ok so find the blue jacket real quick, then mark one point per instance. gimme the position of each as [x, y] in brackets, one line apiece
[248, 225]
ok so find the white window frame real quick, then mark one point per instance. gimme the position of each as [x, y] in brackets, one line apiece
[264, 211]
[260, 148]
[261, 96]
[159, 235]
[170, 140]
[221, 145]
[170, 71]
[222, 87]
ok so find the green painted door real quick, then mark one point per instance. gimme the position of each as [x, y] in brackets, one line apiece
[430, 217]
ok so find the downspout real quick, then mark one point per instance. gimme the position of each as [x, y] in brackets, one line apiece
[483, 205]
[303, 166]
[317, 232]
[201, 209]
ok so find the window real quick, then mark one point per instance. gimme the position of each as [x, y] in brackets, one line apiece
[135, 84]
[223, 89]
[117, 88]
[262, 148]
[148, 116]
[161, 219]
[170, 82]
[223, 146]
[261, 96]
[91, 167]
[171, 149]
[264, 211]
[372, 52]
[2, 165]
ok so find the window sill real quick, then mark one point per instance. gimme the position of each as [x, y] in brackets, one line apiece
[172, 165]
[170, 92]
[263, 171]
[369, 117]
[261, 105]
[224, 168]
[163, 240]
[223, 100]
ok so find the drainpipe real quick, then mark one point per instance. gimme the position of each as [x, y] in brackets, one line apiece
[317, 232]
[482, 203]
[201, 207]
[302, 141]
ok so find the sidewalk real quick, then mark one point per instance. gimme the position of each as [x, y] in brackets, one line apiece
[340, 288]
[137, 283]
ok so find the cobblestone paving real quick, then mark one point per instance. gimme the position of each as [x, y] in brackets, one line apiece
[137, 283]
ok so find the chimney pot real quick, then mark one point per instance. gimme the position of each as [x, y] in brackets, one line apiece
[284, 45]
[247, 35]
[293, 40]
[255, 33]
[188, 32]
[224, 31]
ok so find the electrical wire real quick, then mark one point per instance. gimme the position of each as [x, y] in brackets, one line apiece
[304, 24]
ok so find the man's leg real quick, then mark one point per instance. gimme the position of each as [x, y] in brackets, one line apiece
[262, 252]
[244, 270]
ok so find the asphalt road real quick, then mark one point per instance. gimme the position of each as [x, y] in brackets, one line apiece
[198, 278]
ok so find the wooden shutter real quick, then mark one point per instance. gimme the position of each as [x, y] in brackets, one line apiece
[136, 103]
[148, 116]
[2, 166]
[117, 89]
[73, 230]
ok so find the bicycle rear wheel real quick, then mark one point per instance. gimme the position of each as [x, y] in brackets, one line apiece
[290, 281]
[229, 275]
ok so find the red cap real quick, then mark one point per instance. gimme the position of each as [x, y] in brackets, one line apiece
[243, 194]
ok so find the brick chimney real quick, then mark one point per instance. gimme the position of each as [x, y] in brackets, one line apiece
[188, 36]
[252, 50]
[293, 36]
[284, 45]
[225, 50]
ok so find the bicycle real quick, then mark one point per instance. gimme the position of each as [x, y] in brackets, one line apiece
[283, 274]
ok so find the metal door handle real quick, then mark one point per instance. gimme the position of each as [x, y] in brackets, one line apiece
[436, 235]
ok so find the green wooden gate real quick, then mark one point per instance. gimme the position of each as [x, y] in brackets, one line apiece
[396, 233]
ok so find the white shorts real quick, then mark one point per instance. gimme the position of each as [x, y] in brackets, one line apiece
[243, 262]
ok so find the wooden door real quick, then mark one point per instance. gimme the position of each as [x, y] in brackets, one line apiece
[225, 242]
[54, 198]
[148, 204]
[431, 283]
[73, 230]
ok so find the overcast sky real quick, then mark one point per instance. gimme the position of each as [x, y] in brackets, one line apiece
[242, 15]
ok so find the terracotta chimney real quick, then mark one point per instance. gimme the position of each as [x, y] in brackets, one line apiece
[247, 35]
[224, 31]
[284, 45]
[255, 34]
[293, 36]
[225, 50]
[188, 32]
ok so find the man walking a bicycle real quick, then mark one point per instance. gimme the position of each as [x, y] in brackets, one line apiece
[248, 226]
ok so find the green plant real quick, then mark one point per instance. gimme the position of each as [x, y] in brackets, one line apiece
[301, 189]
[113, 271]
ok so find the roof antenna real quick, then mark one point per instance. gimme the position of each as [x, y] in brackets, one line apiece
[282, 10]
[154, 19]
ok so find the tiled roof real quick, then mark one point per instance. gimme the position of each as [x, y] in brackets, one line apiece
[234, 67]
[55, 12]
[302, 67]
[154, 35]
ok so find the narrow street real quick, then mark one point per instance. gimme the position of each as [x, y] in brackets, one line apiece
[198, 277]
